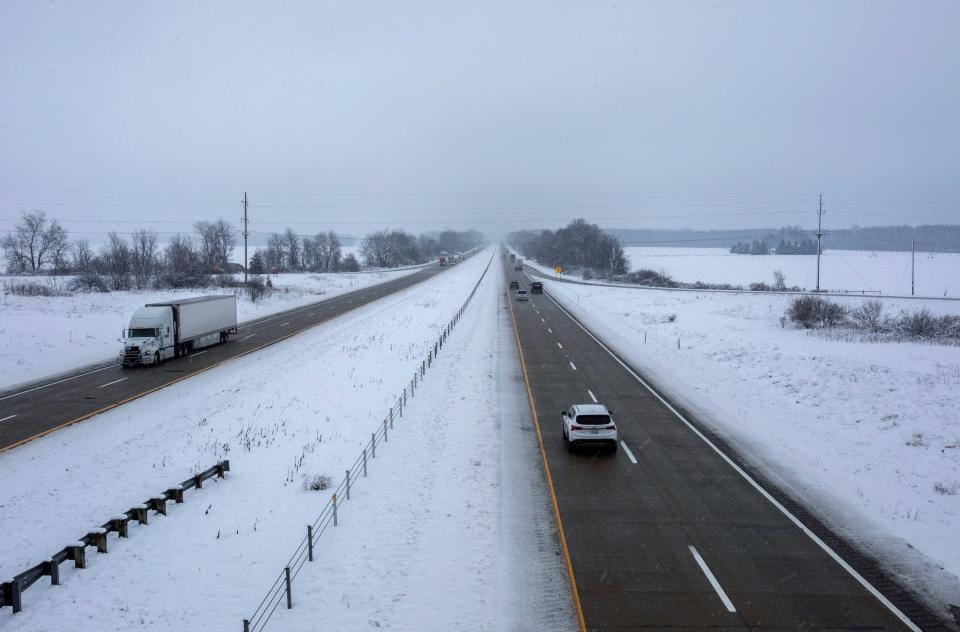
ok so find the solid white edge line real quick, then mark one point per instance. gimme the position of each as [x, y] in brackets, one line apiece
[573, 366]
[592, 396]
[10, 417]
[813, 536]
[630, 456]
[66, 379]
[713, 580]
[113, 382]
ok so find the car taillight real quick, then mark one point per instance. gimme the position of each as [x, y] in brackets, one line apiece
[575, 428]
[610, 427]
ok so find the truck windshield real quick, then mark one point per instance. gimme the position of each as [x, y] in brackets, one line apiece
[142, 333]
[593, 420]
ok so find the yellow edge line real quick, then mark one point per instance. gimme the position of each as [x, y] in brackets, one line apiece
[157, 388]
[546, 469]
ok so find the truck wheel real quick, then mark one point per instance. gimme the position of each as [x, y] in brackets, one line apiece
[156, 359]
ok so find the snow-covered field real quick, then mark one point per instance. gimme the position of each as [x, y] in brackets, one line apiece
[867, 433]
[889, 272]
[451, 530]
[40, 336]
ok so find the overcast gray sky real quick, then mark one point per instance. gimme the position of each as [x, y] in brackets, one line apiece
[497, 115]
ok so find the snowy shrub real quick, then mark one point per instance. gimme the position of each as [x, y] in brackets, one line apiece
[177, 281]
[257, 289]
[89, 282]
[779, 280]
[671, 317]
[760, 287]
[869, 316]
[810, 311]
[917, 441]
[588, 274]
[316, 482]
[919, 324]
[646, 276]
[32, 288]
[946, 489]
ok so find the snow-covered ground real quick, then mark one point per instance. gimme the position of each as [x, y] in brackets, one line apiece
[40, 336]
[451, 530]
[888, 272]
[868, 434]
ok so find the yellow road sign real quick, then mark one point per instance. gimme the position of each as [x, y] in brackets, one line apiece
[557, 270]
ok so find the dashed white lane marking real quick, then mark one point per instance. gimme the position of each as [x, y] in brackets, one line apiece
[713, 580]
[573, 366]
[310, 314]
[66, 379]
[113, 382]
[560, 345]
[542, 320]
[196, 353]
[630, 456]
[10, 417]
[284, 324]
[592, 396]
[550, 330]
[249, 336]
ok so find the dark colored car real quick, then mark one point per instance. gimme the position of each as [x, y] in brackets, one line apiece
[536, 287]
[514, 285]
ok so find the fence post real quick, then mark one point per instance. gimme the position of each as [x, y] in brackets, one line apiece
[373, 444]
[391, 418]
[310, 542]
[364, 462]
[385, 438]
[246, 625]
[430, 358]
[286, 572]
[348, 484]
[54, 572]
[334, 510]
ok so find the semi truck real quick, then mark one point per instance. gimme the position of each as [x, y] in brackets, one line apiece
[159, 331]
[518, 265]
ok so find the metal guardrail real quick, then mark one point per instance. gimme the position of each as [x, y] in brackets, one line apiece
[11, 591]
[280, 591]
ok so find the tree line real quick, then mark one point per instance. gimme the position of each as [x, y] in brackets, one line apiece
[578, 245]
[786, 247]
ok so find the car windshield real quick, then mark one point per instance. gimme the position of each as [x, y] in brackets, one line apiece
[142, 333]
[593, 420]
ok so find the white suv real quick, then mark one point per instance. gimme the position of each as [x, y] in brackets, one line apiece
[589, 424]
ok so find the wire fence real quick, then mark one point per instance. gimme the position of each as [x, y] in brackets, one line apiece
[280, 591]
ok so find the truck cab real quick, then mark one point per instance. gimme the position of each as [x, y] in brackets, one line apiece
[150, 337]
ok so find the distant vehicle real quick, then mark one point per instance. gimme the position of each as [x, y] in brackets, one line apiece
[443, 260]
[513, 257]
[159, 331]
[514, 285]
[536, 287]
[522, 295]
[518, 266]
[589, 424]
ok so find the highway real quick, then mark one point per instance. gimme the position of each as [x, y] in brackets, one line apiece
[33, 410]
[671, 532]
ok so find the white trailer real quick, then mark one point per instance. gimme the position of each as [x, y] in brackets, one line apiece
[159, 331]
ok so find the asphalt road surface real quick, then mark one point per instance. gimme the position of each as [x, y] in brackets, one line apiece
[667, 533]
[36, 409]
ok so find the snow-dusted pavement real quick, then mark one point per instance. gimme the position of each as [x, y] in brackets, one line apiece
[867, 434]
[450, 530]
[41, 336]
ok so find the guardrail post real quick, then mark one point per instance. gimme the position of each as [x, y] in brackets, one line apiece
[430, 358]
[53, 570]
[334, 510]
[11, 595]
[404, 396]
[119, 524]
[364, 462]
[286, 573]
[391, 418]
[77, 553]
[385, 437]
[310, 542]
[246, 625]
[348, 484]
[198, 481]
[373, 444]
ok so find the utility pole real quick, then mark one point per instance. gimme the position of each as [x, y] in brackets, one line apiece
[913, 264]
[246, 233]
[819, 238]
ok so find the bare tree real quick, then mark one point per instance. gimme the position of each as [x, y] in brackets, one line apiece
[293, 248]
[115, 259]
[333, 253]
[83, 257]
[143, 257]
[58, 243]
[217, 240]
[33, 245]
[275, 254]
